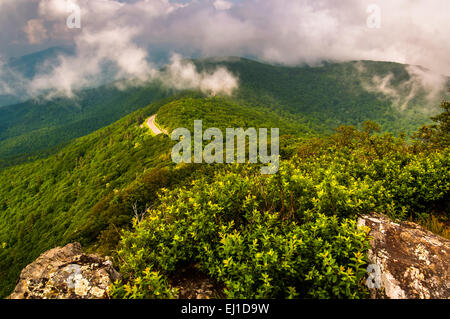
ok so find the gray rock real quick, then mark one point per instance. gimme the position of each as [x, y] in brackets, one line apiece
[413, 262]
[66, 273]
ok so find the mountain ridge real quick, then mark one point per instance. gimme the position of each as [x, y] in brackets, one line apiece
[325, 97]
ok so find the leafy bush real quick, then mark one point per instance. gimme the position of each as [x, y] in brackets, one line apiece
[151, 285]
[257, 254]
[292, 234]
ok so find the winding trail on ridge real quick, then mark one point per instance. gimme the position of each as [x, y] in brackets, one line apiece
[151, 125]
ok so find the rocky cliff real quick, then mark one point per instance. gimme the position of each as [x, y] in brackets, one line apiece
[407, 261]
[66, 273]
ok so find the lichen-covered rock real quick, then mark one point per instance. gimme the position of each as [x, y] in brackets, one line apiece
[66, 273]
[413, 262]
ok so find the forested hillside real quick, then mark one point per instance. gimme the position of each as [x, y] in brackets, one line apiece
[292, 234]
[318, 99]
[92, 184]
[334, 94]
[89, 189]
[224, 149]
[49, 201]
[209, 215]
[36, 128]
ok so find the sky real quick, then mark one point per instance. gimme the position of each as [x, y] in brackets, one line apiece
[292, 32]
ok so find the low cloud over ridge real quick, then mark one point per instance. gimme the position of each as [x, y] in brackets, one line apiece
[284, 31]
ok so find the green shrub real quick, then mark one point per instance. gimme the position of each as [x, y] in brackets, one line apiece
[255, 253]
[151, 285]
[292, 234]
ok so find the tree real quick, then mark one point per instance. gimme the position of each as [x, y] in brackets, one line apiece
[437, 135]
[443, 122]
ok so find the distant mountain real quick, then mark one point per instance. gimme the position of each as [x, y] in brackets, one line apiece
[24, 68]
[337, 93]
[31, 64]
[318, 99]
[8, 99]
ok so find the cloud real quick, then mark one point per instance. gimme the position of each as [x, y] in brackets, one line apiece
[421, 82]
[432, 82]
[182, 74]
[110, 42]
[222, 5]
[93, 50]
[284, 31]
[36, 31]
[5, 88]
[12, 83]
